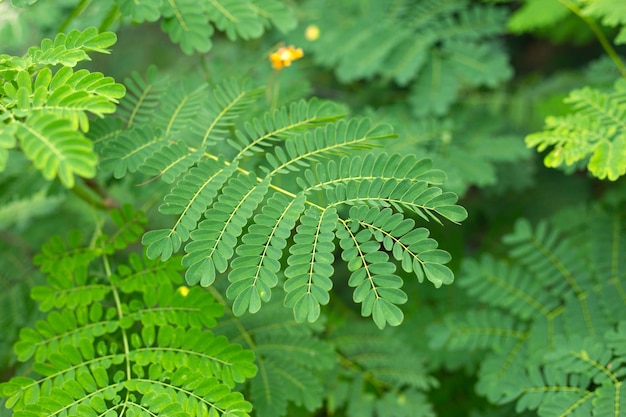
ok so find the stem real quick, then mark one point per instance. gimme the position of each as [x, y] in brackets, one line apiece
[83, 193]
[75, 13]
[120, 314]
[109, 19]
[606, 45]
[272, 186]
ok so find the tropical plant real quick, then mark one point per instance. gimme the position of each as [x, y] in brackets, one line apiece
[231, 207]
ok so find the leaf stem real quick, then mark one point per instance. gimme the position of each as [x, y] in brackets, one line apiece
[82, 192]
[272, 186]
[74, 14]
[109, 19]
[606, 45]
[120, 314]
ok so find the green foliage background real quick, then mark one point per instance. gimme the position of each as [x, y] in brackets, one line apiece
[187, 231]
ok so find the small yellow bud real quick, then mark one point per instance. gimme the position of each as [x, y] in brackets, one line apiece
[284, 55]
[183, 291]
[312, 33]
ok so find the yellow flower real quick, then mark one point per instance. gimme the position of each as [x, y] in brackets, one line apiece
[183, 291]
[312, 33]
[284, 55]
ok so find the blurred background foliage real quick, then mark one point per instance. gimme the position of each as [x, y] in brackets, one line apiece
[471, 122]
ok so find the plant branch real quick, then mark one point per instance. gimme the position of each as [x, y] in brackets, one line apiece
[606, 45]
[80, 8]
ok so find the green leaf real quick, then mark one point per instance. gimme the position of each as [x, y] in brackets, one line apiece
[69, 49]
[594, 130]
[56, 148]
[216, 237]
[609, 159]
[141, 10]
[186, 26]
[311, 264]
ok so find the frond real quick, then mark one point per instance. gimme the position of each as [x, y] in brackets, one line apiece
[311, 264]
[283, 122]
[124, 340]
[258, 261]
[192, 24]
[612, 13]
[409, 245]
[415, 44]
[550, 320]
[333, 139]
[416, 197]
[383, 166]
[143, 11]
[127, 150]
[219, 113]
[143, 98]
[68, 94]
[179, 105]
[376, 286]
[500, 284]
[386, 357]
[213, 242]
[594, 131]
[71, 48]
[469, 151]
[46, 112]
[188, 200]
[551, 258]
[180, 144]
[435, 88]
[101, 131]
[477, 330]
[236, 18]
[383, 377]
[170, 161]
[276, 13]
[56, 148]
[294, 362]
[20, 211]
[187, 26]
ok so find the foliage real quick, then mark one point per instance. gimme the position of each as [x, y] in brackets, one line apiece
[241, 224]
[594, 132]
[45, 112]
[452, 46]
[307, 141]
[120, 338]
[550, 319]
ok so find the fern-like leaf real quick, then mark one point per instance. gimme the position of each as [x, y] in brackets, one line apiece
[56, 148]
[435, 47]
[237, 18]
[551, 338]
[283, 122]
[594, 132]
[612, 13]
[170, 162]
[212, 244]
[258, 261]
[184, 25]
[129, 341]
[46, 113]
[191, 197]
[127, 151]
[377, 287]
[311, 264]
[294, 361]
[141, 11]
[71, 48]
[309, 143]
